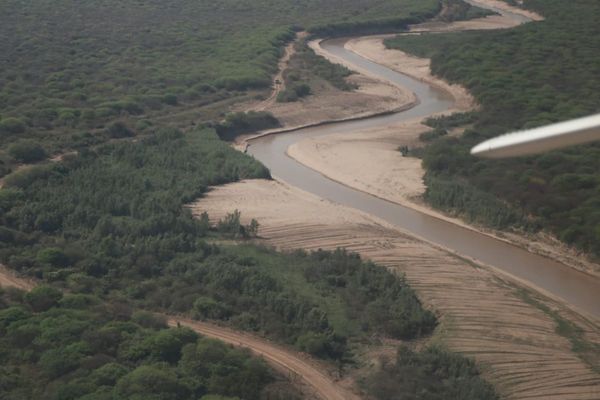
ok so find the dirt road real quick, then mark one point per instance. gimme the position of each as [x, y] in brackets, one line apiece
[9, 279]
[290, 363]
[285, 361]
[278, 82]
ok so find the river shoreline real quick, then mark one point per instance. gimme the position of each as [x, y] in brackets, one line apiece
[375, 180]
[484, 312]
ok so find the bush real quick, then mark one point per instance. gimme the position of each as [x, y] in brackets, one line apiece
[240, 123]
[27, 151]
[294, 92]
[12, 125]
[53, 256]
[433, 374]
[43, 298]
[432, 135]
[25, 177]
[119, 130]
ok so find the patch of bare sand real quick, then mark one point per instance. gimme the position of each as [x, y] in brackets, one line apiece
[504, 6]
[372, 48]
[481, 315]
[368, 160]
[9, 279]
[329, 104]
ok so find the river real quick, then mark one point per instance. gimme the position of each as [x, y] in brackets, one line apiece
[574, 287]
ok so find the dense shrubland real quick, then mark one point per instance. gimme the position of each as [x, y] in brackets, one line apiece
[524, 77]
[432, 374]
[74, 346]
[112, 223]
[74, 67]
[305, 65]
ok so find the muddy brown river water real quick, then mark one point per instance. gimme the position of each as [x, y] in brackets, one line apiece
[574, 287]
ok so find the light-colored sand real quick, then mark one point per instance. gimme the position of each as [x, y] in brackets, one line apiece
[369, 161]
[328, 104]
[503, 5]
[514, 342]
[9, 279]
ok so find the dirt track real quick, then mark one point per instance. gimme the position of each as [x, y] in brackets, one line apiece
[9, 279]
[286, 361]
[278, 82]
[292, 364]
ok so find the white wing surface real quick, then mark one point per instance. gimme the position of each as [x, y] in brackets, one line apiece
[538, 140]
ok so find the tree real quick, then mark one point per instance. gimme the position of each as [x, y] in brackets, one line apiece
[119, 130]
[150, 382]
[43, 298]
[12, 125]
[53, 256]
[26, 151]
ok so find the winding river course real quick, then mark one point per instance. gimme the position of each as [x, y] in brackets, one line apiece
[576, 288]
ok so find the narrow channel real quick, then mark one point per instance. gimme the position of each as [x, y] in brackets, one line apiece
[577, 288]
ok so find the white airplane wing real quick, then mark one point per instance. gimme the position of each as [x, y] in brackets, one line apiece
[538, 140]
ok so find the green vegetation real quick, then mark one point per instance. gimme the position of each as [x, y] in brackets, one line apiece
[76, 347]
[433, 374]
[307, 64]
[588, 351]
[294, 92]
[236, 124]
[458, 10]
[26, 151]
[432, 135]
[108, 224]
[112, 223]
[535, 74]
[379, 18]
[72, 68]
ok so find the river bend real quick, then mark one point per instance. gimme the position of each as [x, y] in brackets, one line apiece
[576, 288]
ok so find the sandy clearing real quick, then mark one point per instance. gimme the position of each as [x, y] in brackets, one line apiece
[9, 279]
[285, 361]
[481, 315]
[330, 104]
[369, 160]
[503, 5]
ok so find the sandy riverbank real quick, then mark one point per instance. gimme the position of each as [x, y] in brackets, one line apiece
[369, 161]
[481, 313]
